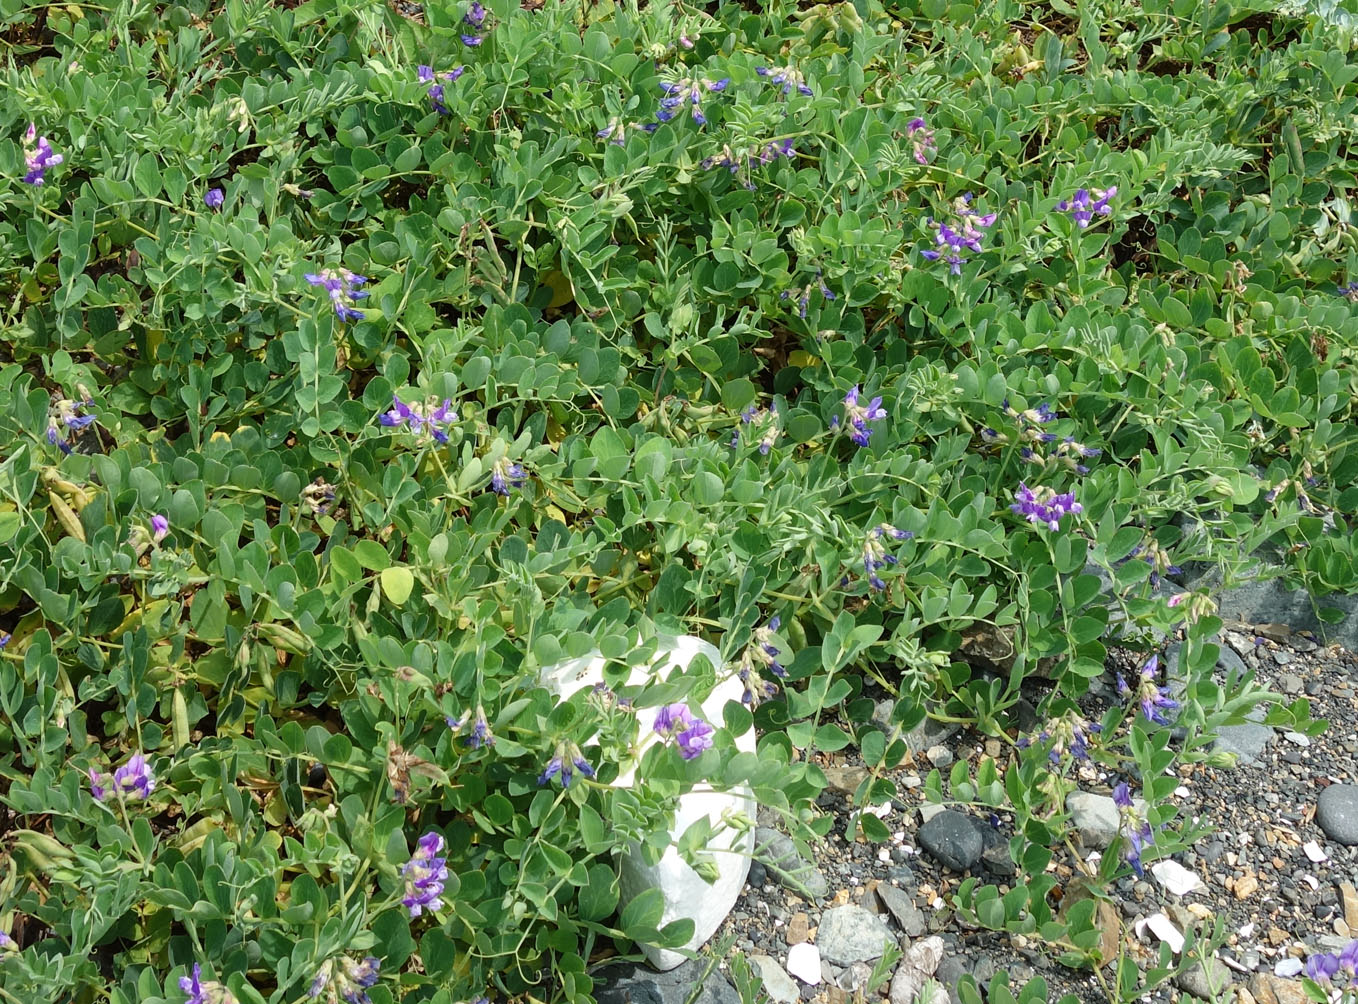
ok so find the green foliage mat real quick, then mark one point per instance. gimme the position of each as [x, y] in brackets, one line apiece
[240, 533]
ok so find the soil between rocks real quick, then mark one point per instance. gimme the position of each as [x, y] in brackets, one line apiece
[1277, 901]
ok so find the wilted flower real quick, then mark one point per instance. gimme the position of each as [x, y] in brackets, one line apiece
[428, 419]
[480, 734]
[875, 556]
[67, 414]
[1154, 555]
[617, 130]
[474, 19]
[38, 155]
[318, 496]
[1153, 697]
[131, 782]
[160, 527]
[1042, 506]
[505, 475]
[424, 876]
[203, 991]
[922, 137]
[300, 193]
[1069, 450]
[436, 82]
[567, 762]
[965, 233]
[857, 416]
[786, 76]
[741, 162]
[804, 298]
[343, 287]
[401, 765]
[1133, 826]
[690, 90]
[1086, 203]
[1068, 733]
[762, 420]
[214, 198]
[345, 981]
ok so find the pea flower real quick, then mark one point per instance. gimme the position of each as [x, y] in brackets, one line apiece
[480, 734]
[1069, 450]
[760, 656]
[786, 76]
[39, 157]
[1133, 826]
[343, 287]
[965, 233]
[617, 130]
[1349, 291]
[131, 782]
[203, 991]
[922, 138]
[693, 735]
[1043, 506]
[741, 162]
[436, 82]
[346, 981]
[160, 527]
[505, 475]
[567, 762]
[1154, 555]
[690, 90]
[1154, 699]
[423, 420]
[1324, 967]
[763, 420]
[5, 637]
[318, 496]
[1086, 203]
[424, 874]
[857, 416]
[875, 556]
[805, 298]
[214, 198]
[1068, 733]
[8, 944]
[474, 19]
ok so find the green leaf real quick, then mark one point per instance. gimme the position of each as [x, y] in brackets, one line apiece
[397, 583]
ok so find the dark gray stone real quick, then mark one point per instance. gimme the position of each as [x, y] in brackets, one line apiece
[902, 907]
[1246, 741]
[632, 983]
[1337, 813]
[849, 934]
[1206, 980]
[1273, 603]
[784, 865]
[952, 839]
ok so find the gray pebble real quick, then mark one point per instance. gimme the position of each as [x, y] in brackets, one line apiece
[1337, 813]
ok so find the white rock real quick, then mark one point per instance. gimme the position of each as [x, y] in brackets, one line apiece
[1176, 878]
[1314, 852]
[777, 983]
[1287, 968]
[929, 810]
[686, 893]
[1164, 929]
[803, 962]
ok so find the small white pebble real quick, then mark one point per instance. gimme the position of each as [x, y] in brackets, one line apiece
[1248, 930]
[1314, 852]
[1181, 791]
[1312, 881]
[1287, 967]
[883, 854]
[938, 903]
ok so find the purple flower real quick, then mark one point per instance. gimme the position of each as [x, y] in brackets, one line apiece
[347, 981]
[965, 233]
[672, 718]
[857, 416]
[695, 739]
[1070, 733]
[687, 90]
[203, 991]
[474, 19]
[1133, 826]
[423, 420]
[765, 419]
[1349, 291]
[480, 733]
[437, 81]
[38, 156]
[875, 555]
[617, 130]
[1044, 507]
[787, 78]
[922, 137]
[1154, 699]
[741, 162]
[131, 782]
[675, 721]
[343, 287]
[1322, 968]
[567, 762]
[214, 198]
[1070, 449]
[424, 874]
[505, 475]
[5, 637]
[160, 527]
[1085, 204]
[8, 944]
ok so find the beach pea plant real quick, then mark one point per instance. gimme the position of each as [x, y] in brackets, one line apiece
[363, 362]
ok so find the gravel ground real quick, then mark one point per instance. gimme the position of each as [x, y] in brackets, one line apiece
[1280, 885]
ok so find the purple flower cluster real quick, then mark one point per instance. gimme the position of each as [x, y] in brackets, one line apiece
[1154, 699]
[344, 288]
[786, 76]
[675, 721]
[1043, 506]
[1070, 453]
[436, 82]
[1069, 733]
[1349, 291]
[39, 156]
[426, 419]
[424, 874]
[346, 982]
[875, 555]
[68, 414]
[688, 90]
[201, 991]
[1086, 203]
[1154, 555]
[804, 298]
[131, 782]
[1133, 826]
[741, 163]
[760, 656]
[1335, 968]
[764, 421]
[505, 475]
[474, 19]
[617, 130]
[567, 762]
[966, 233]
[922, 138]
[857, 416]
[214, 198]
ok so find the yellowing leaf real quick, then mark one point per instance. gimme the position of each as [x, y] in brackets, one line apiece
[397, 583]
